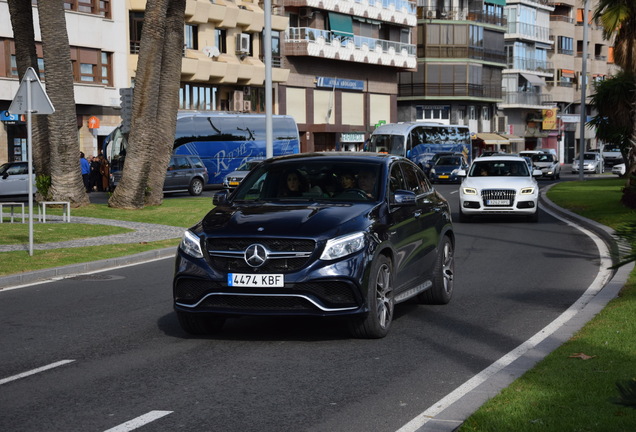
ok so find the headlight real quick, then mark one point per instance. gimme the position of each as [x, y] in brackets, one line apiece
[343, 246]
[527, 191]
[469, 191]
[191, 244]
[454, 172]
[432, 170]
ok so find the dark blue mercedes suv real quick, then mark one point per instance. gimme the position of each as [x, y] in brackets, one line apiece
[322, 234]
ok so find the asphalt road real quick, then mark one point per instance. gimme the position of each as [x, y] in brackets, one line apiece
[131, 362]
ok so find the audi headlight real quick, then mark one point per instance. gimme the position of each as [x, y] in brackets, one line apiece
[343, 246]
[469, 191]
[527, 191]
[191, 244]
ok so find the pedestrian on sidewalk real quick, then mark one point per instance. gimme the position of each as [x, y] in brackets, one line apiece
[85, 167]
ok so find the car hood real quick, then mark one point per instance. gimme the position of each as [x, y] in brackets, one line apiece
[491, 182]
[446, 168]
[315, 220]
[543, 164]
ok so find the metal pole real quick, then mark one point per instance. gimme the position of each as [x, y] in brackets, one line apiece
[267, 46]
[30, 164]
[583, 92]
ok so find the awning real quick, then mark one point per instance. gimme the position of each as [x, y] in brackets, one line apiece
[341, 25]
[497, 2]
[567, 73]
[492, 139]
[513, 138]
[533, 79]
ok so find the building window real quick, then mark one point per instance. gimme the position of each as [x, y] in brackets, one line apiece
[136, 23]
[197, 97]
[566, 45]
[485, 113]
[91, 66]
[276, 57]
[220, 40]
[191, 37]
[472, 113]
[95, 7]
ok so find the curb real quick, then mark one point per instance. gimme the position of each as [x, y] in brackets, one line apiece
[15, 280]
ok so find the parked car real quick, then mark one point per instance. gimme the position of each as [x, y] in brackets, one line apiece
[499, 185]
[611, 154]
[14, 179]
[346, 235]
[592, 163]
[548, 164]
[185, 173]
[619, 169]
[233, 179]
[446, 168]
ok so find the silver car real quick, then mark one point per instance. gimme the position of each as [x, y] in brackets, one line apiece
[592, 163]
[233, 179]
[14, 179]
[548, 164]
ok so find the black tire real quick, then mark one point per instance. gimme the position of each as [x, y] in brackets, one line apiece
[199, 324]
[377, 322]
[443, 275]
[196, 187]
[463, 217]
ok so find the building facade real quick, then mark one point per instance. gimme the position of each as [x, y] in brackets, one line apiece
[460, 59]
[344, 57]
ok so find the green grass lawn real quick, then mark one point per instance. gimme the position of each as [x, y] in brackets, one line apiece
[568, 391]
[181, 212]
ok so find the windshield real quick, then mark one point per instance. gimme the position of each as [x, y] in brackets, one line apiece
[445, 160]
[612, 148]
[499, 168]
[589, 156]
[543, 158]
[312, 180]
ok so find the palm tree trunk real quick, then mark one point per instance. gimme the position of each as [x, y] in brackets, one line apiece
[66, 179]
[152, 132]
[26, 56]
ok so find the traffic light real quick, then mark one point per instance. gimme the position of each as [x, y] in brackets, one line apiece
[126, 97]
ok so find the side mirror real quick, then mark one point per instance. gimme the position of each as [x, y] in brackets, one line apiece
[219, 198]
[536, 173]
[461, 173]
[403, 198]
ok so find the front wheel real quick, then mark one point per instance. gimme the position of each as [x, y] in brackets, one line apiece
[380, 302]
[196, 187]
[443, 276]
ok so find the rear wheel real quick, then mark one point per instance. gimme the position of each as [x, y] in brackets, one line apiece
[196, 187]
[199, 324]
[443, 276]
[380, 302]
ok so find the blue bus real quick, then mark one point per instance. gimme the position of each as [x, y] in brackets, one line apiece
[223, 141]
[420, 141]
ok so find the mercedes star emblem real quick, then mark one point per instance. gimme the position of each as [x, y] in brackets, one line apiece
[255, 255]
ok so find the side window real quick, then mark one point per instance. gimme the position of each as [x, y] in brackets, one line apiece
[410, 178]
[198, 163]
[172, 165]
[425, 186]
[182, 163]
[396, 180]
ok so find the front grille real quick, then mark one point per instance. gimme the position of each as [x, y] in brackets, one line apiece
[498, 194]
[226, 254]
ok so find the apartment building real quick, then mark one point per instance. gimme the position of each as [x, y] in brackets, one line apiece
[460, 59]
[344, 57]
[564, 87]
[97, 37]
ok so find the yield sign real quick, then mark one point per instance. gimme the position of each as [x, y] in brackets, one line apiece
[31, 96]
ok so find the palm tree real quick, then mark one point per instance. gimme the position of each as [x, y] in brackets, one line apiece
[618, 18]
[26, 56]
[613, 99]
[66, 179]
[155, 104]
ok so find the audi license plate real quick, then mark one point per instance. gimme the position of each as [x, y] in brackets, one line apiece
[498, 202]
[255, 280]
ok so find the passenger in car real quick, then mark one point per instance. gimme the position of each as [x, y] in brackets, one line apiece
[366, 182]
[294, 184]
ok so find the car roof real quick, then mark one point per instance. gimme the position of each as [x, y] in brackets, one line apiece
[500, 157]
[339, 156]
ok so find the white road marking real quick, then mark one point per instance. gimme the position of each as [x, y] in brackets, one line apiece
[34, 371]
[602, 278]
[139, 421]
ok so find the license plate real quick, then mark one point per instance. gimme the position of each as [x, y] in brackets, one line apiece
[255, 280]
[498, 202]
[443, 176]
[234, 183]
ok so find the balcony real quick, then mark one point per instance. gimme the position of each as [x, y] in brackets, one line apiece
[530, 64]
[401, 12]
[460, 90]
[525, 99]
[521, 30]
[463, 51]
[307, 41]
[460, 14]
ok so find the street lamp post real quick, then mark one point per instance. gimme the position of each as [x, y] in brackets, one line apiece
[583, 92]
